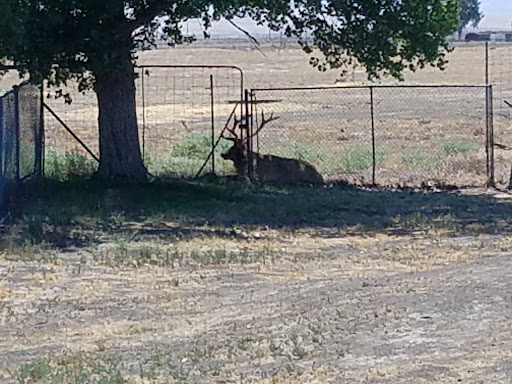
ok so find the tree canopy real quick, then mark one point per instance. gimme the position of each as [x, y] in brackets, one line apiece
[63, 38]
[469, 14]
[94, 43]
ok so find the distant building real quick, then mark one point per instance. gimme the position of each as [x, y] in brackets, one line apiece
[489, 36]
[481, 36]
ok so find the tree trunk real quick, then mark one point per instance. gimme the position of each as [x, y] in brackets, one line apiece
[120, 155]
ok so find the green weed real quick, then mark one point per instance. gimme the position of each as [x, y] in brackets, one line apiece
[121, 255]
[360, 159]
[72, 369]
[455, 147]
[69, 165]
[197, 146]
[418, 160]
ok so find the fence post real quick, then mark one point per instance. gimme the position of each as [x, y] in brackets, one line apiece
[487, 136]
[248, 127]
[143, 115]
[1, 138]
[372, 112]
[212, 100]
[491, 136]
[486, 63]
[39, 162]
[17, 130]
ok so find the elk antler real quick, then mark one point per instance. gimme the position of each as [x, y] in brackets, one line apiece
[232, 131]
[264, 122]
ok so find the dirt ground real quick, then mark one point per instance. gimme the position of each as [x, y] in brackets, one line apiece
[318, 306]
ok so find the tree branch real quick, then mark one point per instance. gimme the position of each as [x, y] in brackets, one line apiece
[251, 37]
[7, 67]
[143, 18]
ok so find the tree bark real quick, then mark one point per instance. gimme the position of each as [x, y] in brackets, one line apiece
[120, 155]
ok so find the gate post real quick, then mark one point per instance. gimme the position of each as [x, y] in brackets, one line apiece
[490, 136]
[374, 156]
[248, 127]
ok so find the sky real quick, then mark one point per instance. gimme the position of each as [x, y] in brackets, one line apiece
[498, 14]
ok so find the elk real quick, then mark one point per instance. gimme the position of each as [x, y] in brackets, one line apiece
[269, 169]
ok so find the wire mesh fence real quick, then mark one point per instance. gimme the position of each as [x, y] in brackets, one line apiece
[401, 135]
[21, 133]
[79, 111]
[183, 111]
[180, 110]
[499, 70]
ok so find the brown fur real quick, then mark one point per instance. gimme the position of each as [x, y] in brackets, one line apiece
[269, 168]
[272, 169]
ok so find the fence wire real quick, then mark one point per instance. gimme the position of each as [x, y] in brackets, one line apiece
[79, 111]
[21, 130]
[420, 134]
[174, 111]
[183, 110]
[499, 69]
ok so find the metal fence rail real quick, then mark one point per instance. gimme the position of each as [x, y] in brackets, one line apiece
[386, 135]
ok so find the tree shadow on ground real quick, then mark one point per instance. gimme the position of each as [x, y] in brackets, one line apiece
[78, 213]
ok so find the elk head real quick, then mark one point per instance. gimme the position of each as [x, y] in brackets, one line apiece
[238, 152]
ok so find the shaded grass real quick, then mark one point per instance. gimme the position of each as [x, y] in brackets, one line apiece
[64, 166]
[80, 212]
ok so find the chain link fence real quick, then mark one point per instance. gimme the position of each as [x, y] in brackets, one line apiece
[21, 135]
[399, 135]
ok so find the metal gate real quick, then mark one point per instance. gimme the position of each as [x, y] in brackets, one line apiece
[183, 110]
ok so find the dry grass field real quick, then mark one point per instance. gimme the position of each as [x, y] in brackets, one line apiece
[219, 281]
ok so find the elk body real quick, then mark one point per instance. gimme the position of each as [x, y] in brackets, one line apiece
[270, 169]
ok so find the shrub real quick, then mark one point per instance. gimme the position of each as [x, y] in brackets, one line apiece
[76, 368]
[307, 153]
